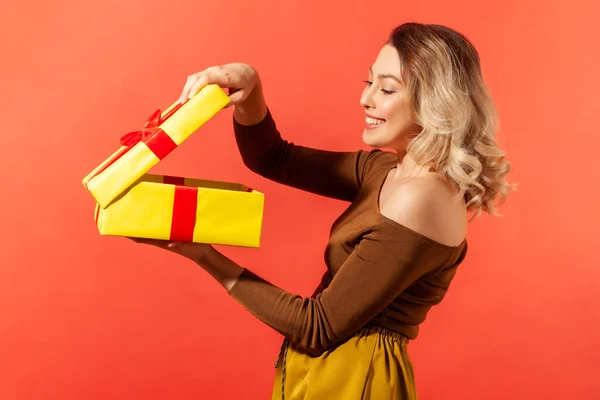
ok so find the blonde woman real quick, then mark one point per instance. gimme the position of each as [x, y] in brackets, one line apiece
[392, 254]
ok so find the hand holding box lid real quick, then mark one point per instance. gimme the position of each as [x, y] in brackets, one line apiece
[141, 150]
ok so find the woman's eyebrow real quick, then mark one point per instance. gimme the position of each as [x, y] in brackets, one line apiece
[384, 76]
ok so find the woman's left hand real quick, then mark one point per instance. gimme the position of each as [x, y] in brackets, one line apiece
[223, 269]
[194, 251]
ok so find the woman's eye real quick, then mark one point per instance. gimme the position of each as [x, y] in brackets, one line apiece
[385, 91]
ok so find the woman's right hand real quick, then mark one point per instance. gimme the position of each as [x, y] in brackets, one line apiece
[239, 78]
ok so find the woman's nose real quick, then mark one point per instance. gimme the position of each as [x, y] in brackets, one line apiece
[366, 100]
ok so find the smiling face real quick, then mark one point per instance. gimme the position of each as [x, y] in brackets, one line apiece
[389, 116]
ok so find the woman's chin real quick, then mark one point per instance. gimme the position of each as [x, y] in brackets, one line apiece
[370, 138]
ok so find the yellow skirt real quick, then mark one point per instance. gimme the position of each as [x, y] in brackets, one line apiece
[372, 364]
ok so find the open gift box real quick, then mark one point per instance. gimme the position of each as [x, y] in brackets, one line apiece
[130, 202]
[182, 209]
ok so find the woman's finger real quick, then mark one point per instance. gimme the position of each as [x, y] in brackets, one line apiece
[236, 96]
[228, 76]
[197, 85]
[214, 75]
[152, 242]
[186, 89]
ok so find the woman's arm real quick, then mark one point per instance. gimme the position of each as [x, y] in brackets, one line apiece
[387, 260]
[253, 109]
[333, 174]
[329, 173]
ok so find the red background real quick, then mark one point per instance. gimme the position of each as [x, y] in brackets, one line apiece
[90, 317]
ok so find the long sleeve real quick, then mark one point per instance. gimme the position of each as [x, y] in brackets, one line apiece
[386, 261]
[332, 174]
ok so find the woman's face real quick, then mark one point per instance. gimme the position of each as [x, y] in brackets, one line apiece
[387, 104]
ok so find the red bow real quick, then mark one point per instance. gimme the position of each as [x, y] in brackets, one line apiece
[150, 128]
[152, 135]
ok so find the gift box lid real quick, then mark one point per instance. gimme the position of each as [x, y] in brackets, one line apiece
[141, 150]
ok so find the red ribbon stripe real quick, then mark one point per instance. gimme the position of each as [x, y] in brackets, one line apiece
[184, 213]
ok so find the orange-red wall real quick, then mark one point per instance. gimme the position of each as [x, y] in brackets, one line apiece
[90, 317]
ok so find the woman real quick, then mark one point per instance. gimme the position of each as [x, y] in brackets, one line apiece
[392, 254]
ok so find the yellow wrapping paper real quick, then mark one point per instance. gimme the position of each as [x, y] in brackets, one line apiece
[129, 163]
[225, 213]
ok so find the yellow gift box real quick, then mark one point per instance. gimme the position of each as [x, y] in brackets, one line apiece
[131, 202]
[141, 150]
[183, 209]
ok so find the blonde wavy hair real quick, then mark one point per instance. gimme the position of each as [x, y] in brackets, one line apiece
[455, 112]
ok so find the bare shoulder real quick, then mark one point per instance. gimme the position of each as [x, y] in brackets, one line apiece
[427, 206]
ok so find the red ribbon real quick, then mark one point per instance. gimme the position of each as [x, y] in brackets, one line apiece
[185, 205]
[184, 212]
[152, 135]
